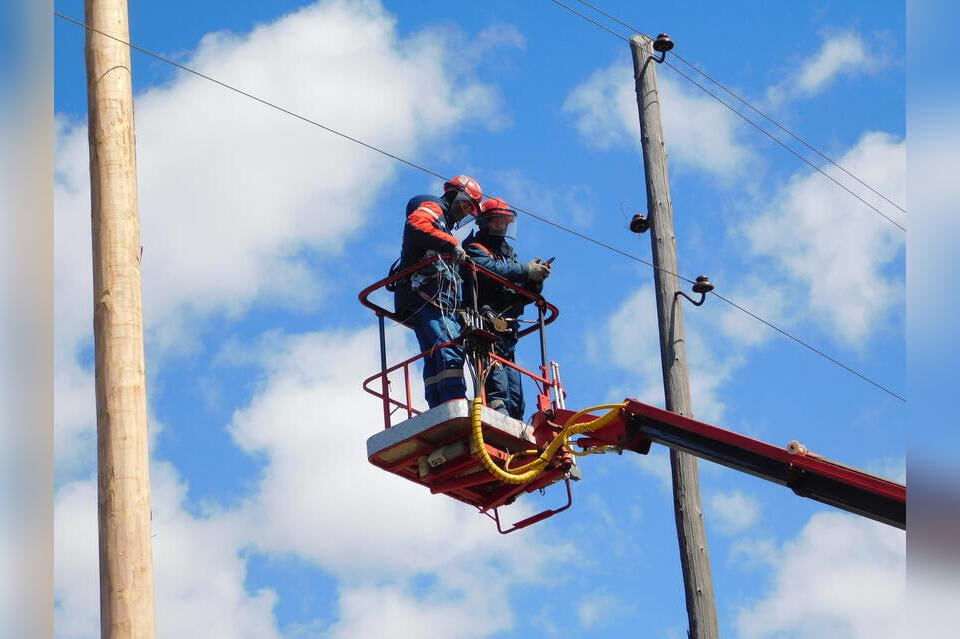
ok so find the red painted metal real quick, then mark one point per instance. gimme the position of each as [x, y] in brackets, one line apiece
[464, 478]
[807, 474]
[533, 519]
[506, 362]
[808, 461]
[552, 311]
[544, 383]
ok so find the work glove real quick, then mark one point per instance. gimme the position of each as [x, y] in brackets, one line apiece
[537, 271]
[459, 255]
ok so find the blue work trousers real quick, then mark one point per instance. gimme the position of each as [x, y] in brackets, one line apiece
[442, 367]
[504, 388]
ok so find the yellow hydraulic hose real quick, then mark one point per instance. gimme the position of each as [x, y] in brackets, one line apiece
[486, 460]
[573, 428]
[532, 470]
[592, 425]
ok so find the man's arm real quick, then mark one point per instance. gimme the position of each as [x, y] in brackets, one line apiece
[510, 270]
[423, 224]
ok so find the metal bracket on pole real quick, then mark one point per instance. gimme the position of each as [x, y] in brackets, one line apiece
[702, 286]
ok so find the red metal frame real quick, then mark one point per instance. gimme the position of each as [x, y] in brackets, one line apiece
[382, 312]
[390, 404]
[405, 365]
[533, 519]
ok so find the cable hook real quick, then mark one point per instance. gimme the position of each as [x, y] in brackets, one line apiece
[702, 286]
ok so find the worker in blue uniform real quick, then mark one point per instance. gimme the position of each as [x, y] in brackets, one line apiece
[427, 300]
[488, 248]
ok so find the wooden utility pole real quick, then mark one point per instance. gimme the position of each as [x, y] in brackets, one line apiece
[694, 558]
[126, 562]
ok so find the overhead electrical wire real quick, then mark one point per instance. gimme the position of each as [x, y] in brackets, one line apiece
[777, 140]
[751, 106]
[443, 177]
[788, 148]
[790, 133]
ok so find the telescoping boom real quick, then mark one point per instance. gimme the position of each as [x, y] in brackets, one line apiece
[806, 473]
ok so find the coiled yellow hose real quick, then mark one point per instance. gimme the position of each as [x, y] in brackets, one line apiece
[530, 471]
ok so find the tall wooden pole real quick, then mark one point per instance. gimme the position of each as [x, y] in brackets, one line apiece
[694, 558]
[126, 562]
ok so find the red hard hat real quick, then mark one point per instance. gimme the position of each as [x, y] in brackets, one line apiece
[495, 206]
[466, 184]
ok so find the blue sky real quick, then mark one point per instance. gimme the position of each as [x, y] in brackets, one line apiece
[259, 230]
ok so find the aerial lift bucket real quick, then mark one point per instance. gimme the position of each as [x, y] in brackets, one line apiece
[436, 448]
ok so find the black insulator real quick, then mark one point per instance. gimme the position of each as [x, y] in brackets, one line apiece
[702, 285]
[663, 43]
[639, 223]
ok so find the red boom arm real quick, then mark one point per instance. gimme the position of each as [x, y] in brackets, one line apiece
[807, 474]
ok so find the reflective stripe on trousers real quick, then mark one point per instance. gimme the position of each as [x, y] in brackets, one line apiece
[442, 367]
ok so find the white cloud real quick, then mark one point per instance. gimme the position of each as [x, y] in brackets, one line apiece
[834, 250]
[319, 501]
[841, 578]
[700, 133]
[751, 554]
[596, 608]
[564, 204]
[310, 420]
[657, 464]
[638, 353]
[233, 193]
[75, 561]
[733, 512]
[234, 196]
[75, 417]
[312, 416]
[840, 54]
[494, 46]
[762, 297]
[198, 571]
[402, 616]
[892, 468]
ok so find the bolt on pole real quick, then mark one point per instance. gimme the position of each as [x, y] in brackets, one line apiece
[694, 557]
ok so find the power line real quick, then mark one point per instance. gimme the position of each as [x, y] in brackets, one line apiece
[745, 118]
[751, 106]
[812, 348]
[787, 147]
[588, 19]
[251, 96]
[792, 134]
[438, 175]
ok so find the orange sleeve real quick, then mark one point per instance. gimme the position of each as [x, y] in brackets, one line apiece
[424, 219]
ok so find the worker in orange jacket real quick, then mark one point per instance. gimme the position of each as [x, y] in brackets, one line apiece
[427, 299]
